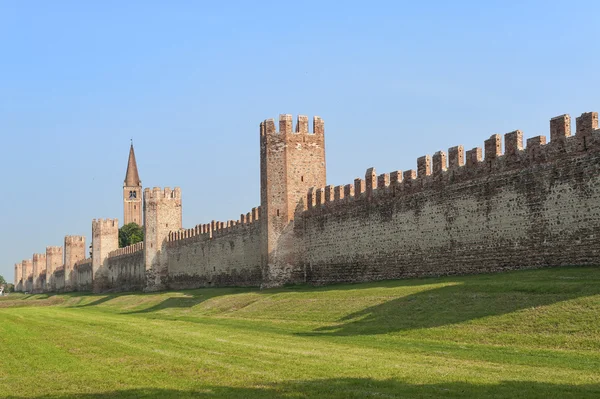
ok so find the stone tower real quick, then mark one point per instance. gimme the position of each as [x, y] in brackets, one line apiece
[74, 251]
[54, 260]
[39, 270]
[27, 269]
[18, 278]
[162, 213]
[105, 238]
[132, 192]
[291, 162]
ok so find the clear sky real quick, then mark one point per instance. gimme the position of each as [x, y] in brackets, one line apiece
[190, 82]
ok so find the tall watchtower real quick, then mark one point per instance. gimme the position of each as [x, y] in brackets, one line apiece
[291, 162]
[132, 192]
[162, 213]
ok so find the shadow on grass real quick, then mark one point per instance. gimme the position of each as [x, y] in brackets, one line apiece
[192, 298]
[355, 388]
[99, 301]
[468, 299]
[461, 299]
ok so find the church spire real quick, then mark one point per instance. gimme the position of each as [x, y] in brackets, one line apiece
[132, 178]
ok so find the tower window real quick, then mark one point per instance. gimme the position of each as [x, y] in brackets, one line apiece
[301, 178]
[277, 212]
[132, 195]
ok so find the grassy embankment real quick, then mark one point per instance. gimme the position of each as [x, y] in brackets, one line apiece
[524, 334]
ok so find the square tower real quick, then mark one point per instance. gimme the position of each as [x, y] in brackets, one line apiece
[291, 162]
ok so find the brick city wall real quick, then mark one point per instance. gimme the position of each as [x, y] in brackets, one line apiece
[216, 254]
[126, 270]
[482, 210]
[59, 279]
[529, 207]
[83, 273]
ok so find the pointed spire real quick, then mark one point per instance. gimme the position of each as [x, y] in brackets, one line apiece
[132, 178]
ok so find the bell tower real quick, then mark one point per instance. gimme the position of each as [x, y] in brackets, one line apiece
[132, 192]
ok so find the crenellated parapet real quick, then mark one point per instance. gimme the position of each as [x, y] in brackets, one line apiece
[83, 264]
[75, 240]
[128, 250]
[286, 126]
[457, 166]
[214, 229]
[156, 193]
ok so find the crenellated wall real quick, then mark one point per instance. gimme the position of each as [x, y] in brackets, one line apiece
[216, 254]
[126, 270]
[503, 206]
[532, 206]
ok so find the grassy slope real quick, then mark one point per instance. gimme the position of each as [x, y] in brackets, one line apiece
[523, 334]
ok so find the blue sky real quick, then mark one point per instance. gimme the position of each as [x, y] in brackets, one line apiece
[190, 82]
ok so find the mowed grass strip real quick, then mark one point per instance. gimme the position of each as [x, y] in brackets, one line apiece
[521, 334]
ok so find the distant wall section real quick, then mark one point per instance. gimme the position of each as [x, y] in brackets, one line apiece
[126, 270]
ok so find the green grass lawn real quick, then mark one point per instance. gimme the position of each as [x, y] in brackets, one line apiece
[528, 334]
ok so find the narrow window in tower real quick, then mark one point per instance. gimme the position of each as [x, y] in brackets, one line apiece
[277, 212]
[301, 178]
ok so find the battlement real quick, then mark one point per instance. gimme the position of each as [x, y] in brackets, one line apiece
[83, 264]
[452, 167]
[158, 193]
[208, 231]
[105, 223]
[286, 126]
[54, 250]
[74, 239]
[39, 257]
[131, 249]
[83, 261]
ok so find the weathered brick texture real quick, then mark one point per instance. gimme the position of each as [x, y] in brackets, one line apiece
[220, 257]
[126, 269]
[528, 208]
[84, 271]
[291, 162]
